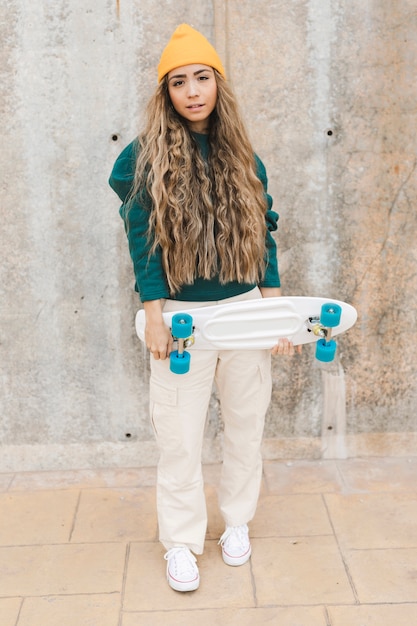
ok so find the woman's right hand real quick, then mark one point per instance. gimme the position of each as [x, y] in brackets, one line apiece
[158, 336]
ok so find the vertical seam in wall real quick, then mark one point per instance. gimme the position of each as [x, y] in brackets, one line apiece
[226, 36]
[334, 412]
[221, 22]
[320, 36]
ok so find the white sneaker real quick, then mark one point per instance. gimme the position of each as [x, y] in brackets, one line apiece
[182, 571]
[236, 548]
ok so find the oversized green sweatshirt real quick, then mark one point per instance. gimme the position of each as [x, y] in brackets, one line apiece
[150, 277]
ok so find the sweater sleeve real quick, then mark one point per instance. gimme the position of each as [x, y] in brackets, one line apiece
[150, 277]
[271, 278]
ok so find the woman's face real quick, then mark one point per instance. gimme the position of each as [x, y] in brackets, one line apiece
[193, 93]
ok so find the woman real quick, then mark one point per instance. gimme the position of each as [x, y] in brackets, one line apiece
[198, 221]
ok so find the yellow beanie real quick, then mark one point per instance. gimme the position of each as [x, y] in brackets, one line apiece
[186, 47]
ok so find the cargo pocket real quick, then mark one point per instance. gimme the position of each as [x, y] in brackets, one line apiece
[163, 403]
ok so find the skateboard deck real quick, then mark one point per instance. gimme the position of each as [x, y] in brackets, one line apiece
[256, 324]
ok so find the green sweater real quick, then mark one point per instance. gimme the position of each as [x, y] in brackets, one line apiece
[150, 277]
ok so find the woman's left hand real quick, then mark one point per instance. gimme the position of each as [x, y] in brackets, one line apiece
[286, 348]
[283, 347]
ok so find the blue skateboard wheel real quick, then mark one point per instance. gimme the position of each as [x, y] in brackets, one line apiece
[330, 315]
[181, 325]
[179, 363]
[325, 350]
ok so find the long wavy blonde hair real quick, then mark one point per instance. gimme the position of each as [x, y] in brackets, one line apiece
[208, 218]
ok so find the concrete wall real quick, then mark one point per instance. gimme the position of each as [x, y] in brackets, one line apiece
[329, 94]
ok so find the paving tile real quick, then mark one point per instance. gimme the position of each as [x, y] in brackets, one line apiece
[85, 479]
[147, 588]
[106, 515]
[9, 611]
[295, 571]
[302, 477]
[302, 571]
[289, 516]
[36, 518]
[377, 520]
[215, 521]
[384, 576]
[61, 570]
[212, 473]
[292, 616]
[94, 610]
[5, 481]
[374, 615]
[391, 474]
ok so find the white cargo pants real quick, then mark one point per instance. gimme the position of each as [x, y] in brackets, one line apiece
[178, 409]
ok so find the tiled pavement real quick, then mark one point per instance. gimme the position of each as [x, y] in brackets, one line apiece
[334, 544]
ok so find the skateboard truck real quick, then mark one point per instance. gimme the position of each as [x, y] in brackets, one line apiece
[182, 332]
[322, 327]
[185, 343]
[314, 326]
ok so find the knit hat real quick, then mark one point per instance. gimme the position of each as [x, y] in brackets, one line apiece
[186, 47]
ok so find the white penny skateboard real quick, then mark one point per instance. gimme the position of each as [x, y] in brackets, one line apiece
[255, 324]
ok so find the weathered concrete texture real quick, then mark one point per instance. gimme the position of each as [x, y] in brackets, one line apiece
[374, 182]
[330, 96]
[328, 91]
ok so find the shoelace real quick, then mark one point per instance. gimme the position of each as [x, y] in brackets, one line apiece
[237, 536]
[183, 561]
